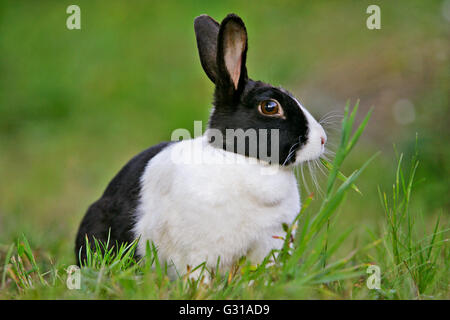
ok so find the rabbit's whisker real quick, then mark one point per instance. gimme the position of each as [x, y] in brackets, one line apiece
[290, 153]
[303, 178]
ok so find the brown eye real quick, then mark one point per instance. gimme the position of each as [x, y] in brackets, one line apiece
[270, 107]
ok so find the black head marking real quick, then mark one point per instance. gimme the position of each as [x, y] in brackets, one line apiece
[237, 97]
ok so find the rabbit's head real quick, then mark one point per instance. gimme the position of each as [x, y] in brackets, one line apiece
[242, 104]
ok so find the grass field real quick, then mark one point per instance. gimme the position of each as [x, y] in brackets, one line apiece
[76, 105]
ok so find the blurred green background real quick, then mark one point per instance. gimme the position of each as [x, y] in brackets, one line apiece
[76, 105]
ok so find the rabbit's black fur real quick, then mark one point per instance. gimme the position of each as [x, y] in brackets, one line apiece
[113, 212]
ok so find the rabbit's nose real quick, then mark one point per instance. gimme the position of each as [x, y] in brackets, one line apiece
[323, 140]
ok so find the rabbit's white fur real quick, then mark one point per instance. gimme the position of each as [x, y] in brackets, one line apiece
[198, 212]
[313, 148]
[206, 202]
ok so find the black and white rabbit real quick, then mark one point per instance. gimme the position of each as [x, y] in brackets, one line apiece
[221, 206]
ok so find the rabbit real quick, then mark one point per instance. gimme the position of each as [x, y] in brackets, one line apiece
[224, 207]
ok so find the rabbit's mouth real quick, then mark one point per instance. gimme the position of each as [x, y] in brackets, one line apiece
[315, 144]
[309, 155]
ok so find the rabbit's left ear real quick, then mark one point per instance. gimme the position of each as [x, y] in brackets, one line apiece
[206, 32]
[231, 54]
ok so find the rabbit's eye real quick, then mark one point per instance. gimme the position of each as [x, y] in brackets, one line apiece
[270, 108]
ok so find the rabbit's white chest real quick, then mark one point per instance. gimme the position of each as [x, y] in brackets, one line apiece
[198, 203]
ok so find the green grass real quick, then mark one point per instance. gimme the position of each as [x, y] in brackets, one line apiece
[308, 266]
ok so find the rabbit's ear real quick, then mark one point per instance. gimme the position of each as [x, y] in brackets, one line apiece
[206, 32]
[231, 53]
